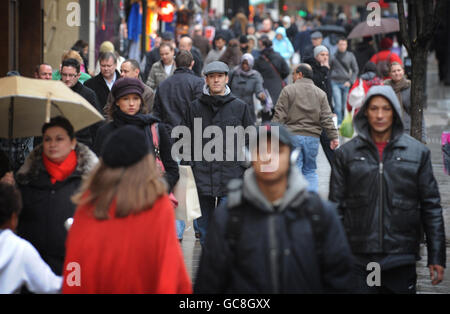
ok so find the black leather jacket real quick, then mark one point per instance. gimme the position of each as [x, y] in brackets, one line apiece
[384, 202]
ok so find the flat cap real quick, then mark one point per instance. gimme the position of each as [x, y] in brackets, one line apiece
[316, 35]
[216, 67]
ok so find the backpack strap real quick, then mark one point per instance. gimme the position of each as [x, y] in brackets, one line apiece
[313, 207]
[235, 215]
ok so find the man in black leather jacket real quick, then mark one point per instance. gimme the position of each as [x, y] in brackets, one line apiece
[383, 183]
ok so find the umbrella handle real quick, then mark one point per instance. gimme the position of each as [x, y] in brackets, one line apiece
[48, 110]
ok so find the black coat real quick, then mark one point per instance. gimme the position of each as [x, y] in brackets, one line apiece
[47, 206]
[272, 79]
[87, 135]
[198, 65]
[165, 143]
[98, 85]
[276, 249]
[174, 95]
[383, 203]
[321, 78]
[212, 176]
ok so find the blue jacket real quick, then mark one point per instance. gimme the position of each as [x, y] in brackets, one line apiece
[283, 46]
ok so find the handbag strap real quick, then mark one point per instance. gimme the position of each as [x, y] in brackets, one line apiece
[343, 65]
[283, 84]
[155, 139]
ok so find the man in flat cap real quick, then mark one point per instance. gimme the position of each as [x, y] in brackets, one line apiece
[316, 40]
[216, 163]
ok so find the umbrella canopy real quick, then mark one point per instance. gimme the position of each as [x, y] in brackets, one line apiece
[329, 28]
[26, 104]
[363, 29]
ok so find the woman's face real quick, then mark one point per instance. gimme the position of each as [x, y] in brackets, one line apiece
[397, 72]
[57, 144]
[129, 104]
[245, 66]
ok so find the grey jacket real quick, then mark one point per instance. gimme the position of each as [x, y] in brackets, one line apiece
[346, 70]
[158, 74]
[304, 109]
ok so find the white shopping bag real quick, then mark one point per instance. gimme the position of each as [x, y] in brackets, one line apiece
[185, 192]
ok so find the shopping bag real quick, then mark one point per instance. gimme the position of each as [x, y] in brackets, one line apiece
[185, 192]
[356, 96]
[346, 129]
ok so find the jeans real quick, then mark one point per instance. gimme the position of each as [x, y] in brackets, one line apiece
[340, 93]
[306, 162]
[181, 225]
[207, 206]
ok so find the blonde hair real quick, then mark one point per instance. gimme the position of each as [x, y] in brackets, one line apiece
[395, 63]
[72, 54]
[107, 46]
[134, 188]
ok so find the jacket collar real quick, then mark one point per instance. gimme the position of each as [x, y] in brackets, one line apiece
[34, 164]
[294, 195]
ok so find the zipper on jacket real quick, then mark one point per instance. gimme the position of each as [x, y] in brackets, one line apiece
[380, 200]
[273, 253]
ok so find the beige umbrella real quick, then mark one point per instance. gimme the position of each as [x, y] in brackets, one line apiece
[26, 104]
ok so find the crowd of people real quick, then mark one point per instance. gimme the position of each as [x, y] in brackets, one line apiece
[260, 231]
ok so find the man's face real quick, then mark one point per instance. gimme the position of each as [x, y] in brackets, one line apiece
[127, 70]
[185, 44]
[380, 115]
[276, 160]
[342, 45]
[220, 43]
[322, 57]
[317, 41]
[69, 76]
[45, 72]
[267, 25]
[216, 83]
[166, 55]
[107, 68]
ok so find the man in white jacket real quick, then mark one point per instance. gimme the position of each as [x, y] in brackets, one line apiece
[20, 263]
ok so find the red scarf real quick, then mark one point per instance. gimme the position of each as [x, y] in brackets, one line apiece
[60, 172]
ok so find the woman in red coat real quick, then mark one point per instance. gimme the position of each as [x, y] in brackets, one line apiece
[123, 238]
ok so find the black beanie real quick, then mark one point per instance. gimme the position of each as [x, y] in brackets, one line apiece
[124, 147]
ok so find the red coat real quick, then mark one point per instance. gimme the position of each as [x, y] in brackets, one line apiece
[136, 254]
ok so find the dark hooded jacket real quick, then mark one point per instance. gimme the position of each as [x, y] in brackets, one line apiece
[212, 177]
[383, 203]
[47, 206]
[276, 248]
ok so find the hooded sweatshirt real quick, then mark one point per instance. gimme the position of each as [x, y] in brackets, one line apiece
[360, 122]
[21, 264]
